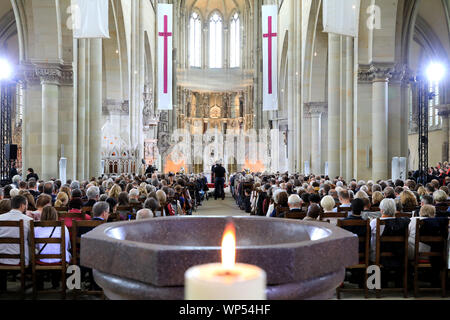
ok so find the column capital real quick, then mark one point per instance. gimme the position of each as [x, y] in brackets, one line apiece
[381, 72]
[364, 74]
[315, 109]
[47, 73]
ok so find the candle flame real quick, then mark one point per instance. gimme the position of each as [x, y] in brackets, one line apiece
[229, 247]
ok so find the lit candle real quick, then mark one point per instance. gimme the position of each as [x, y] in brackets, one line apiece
[227, 280]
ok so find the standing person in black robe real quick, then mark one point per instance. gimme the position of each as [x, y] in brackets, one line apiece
[219, 174]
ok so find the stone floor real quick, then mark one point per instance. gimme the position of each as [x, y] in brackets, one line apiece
[220, 207]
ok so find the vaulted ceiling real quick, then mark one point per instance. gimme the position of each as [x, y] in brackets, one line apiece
[226, 7]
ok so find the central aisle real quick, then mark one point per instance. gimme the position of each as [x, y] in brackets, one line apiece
[220, 207]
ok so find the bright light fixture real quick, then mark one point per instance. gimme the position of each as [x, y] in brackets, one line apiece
[5, 69]
[435, 72]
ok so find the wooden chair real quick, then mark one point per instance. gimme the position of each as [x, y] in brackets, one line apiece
[136, 206]
[86, 210]
[71, 215]
[399, 214]
[36, 265]
[363, 256]
[76, 241]
[61, 209]
[295, 215]
[400, 239]
[422, 259]
[281, 210]
[344, 209]
[21, 256]
[336, 215]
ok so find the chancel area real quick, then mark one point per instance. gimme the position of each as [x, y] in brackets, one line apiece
[224, 149]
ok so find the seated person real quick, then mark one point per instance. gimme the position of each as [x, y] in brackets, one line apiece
[144, 214]
[424, 200]
[62, 199]
[327, 204]
[75, 207]
[43, 201]
[50, 214]
[367, 204]
[113, 209]
[281, 201]
[387, 209]
[427, 211]
[393, 266]
[92, 194]
[357, 275]
[344, 199]
[377, 197]
[246, 203]
[313, 213]
[294, 203]
[314, 199]
[123, 202]
[440, 202]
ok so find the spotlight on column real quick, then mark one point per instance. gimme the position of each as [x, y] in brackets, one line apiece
[435, 72]
[5, 69]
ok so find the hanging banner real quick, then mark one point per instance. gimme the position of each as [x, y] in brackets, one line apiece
[341, 17]
[90, 18]
[270, 57]
[165, 36]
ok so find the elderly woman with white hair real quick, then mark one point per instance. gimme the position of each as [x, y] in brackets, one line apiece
[388, 208]
[327, 203]
[144, 214]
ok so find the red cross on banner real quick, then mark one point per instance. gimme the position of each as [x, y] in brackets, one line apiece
[270, 57]
[165, 35]
[269, 35]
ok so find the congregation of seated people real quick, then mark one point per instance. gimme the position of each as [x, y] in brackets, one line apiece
[105, 199]
[325, 200]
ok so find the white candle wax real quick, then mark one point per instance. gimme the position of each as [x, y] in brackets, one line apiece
[215, 282]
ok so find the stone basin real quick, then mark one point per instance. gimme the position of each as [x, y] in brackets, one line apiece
[147, 259]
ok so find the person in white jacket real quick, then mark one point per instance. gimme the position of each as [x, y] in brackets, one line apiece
[427, 211]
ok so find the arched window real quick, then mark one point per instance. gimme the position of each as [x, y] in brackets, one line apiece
[433, 112]
[195, 40]
[215, 41]
[235, 41]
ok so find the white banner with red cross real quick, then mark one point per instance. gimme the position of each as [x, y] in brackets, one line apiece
[270, 57]
[165, 36]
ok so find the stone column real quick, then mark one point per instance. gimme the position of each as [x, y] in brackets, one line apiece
[81, 114]
[349, 109]
[316, 111]
[50, 104]
[95, 114]
[444, 112]
[333, 105]
[380, 121]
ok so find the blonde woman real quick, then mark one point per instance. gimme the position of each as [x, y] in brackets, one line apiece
[421, 191]
[114, 192]
[66, 190]
[61, 200]
[408, 201]
[377, 197]
[361, 195]
[162, 199]
[142, 192]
